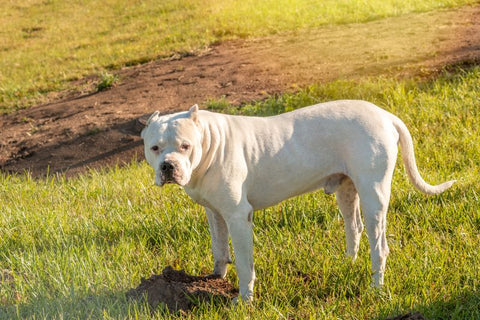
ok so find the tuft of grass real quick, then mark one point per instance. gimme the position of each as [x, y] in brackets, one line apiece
[71, 248]
[107, 80]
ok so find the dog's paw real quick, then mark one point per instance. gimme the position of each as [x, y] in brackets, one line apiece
[241, 300]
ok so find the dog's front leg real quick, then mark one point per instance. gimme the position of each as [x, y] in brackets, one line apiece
[220, 248]
[240, 227]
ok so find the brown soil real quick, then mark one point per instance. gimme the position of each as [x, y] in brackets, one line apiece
[85, 128]
[181, 292]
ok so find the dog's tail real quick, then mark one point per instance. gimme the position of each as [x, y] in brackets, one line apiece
[408, 156]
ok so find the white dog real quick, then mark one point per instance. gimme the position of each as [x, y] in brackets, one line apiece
[233, 165]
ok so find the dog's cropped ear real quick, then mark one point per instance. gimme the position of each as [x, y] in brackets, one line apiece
[153, 117]
[193, 113]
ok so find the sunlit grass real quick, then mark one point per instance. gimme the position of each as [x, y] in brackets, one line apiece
[71, 248]
[46, 44]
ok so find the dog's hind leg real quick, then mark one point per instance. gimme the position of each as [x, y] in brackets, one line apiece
[349, 204]
[374, 200]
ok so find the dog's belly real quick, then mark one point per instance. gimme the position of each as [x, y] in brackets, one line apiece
[276, 192]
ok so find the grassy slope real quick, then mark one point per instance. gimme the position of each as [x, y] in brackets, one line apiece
[45, 44]
[70, 249]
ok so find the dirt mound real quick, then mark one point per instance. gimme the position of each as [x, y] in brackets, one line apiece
[181, 291]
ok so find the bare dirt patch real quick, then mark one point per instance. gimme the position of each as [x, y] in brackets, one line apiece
[179, 291]
[82, 129]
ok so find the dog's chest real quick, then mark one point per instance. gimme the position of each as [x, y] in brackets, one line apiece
[198, 197]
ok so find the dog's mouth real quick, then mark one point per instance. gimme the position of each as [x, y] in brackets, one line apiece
[169, 180]
[163, 179]
[169, 174]
[172, 171]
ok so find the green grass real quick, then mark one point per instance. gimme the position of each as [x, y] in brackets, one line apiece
[107, 80]
[46, 44]
[70, 249]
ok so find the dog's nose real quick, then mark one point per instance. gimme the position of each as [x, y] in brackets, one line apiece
[166, 167]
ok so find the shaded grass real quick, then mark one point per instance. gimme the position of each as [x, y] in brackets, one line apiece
[46, 44]
[71, 248]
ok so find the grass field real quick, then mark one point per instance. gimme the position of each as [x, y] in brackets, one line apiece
[70, 249]
[46, 44]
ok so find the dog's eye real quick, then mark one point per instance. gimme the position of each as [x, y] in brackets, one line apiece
[185, 146]
[155, 148]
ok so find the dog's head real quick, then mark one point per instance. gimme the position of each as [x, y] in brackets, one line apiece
[172, 146]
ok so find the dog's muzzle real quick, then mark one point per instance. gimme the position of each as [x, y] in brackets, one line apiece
[167, 170]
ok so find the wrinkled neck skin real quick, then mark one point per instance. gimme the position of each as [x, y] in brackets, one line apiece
[211, 139]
